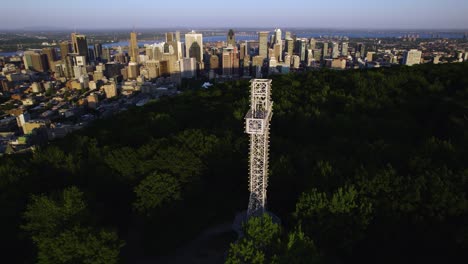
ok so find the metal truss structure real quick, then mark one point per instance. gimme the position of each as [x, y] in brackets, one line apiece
[257, 125]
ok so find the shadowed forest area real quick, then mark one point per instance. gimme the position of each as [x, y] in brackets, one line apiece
[365, 166]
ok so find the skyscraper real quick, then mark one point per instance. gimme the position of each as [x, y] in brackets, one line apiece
[51, 56]
[194, 46]
[301, 47]
[39, 62]
[231, 38]
[98, 51]
[325, 49]
[133, 48]
[80, 44]
[335, 50]
[313, 43]
[263, 44]
[64, 49]
[278, 45]
[290, 46]
[362, 49]
[344, 49]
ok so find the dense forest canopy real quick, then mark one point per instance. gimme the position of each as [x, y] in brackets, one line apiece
[366, 166]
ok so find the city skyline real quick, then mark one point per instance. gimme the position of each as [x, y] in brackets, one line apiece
[418, 14]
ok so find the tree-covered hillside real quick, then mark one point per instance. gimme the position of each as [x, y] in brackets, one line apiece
[365, 166]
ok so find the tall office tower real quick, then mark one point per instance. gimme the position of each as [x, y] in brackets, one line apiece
[290, 46]
[344, 49]
[287, 35]
[287, 60]
[188, 67]
[98, 51]
[194, 46]
[257, 125]
[39, 62]
[169, 36]
[325, 50]
[214, 63]
[51, 56]
[278, 36]
[133, 48]
[243, 50]
[133, 70]
[296, 61]
[64, 49]
[80, 44]
[278, 42]
[231, 38]
[227, 63]
[312, 44]
[177, 36]
[27, 59]
[362, 49]
[301, 48]
[91, 54]
[412, 57]
[370, 56]
[153, 68]
[335, 50]
[149, 53]
[73, 43]
[230, 61]
[277, 52]
[317, 53]
[263, 44]
[106, 54]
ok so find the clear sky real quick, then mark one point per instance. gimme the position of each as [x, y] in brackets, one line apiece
[336, 14]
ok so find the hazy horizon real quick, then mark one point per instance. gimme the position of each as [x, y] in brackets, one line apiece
[358, 15]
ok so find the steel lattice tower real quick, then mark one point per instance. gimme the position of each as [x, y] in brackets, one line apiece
[258, 126]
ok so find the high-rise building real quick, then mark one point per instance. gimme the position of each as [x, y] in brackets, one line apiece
[263, 44]
[312, 43]
[177, 36]
[278, 36]
[106, 54]
[169, 36]
[278, 45]
[287, 35]
[194, 46]
[301, 48]
[344, 49]
[325, 50]
[290, 46]
[188, 67]
[80, 45]
[412, 57]
[153, 68]
[214, 63]
[133, 70]
[35, 61]
[64, 49]
[133, 48]
[231, 38]
[335, 50]
[361, 48]
[98, 51]
[277, 52]
[51, 55]
[370, 56]
[230, 61]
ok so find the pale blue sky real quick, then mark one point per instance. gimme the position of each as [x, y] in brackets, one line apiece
[372, 14]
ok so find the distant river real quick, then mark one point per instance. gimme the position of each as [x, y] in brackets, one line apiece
[352, 34]
[363, 34]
